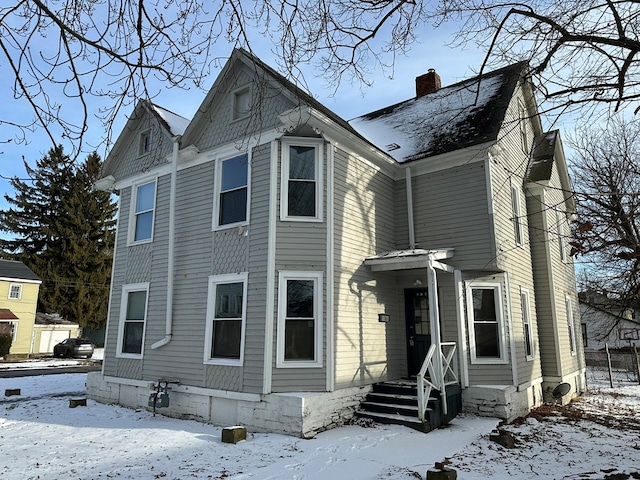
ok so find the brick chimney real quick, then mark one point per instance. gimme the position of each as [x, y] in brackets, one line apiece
[427, 83]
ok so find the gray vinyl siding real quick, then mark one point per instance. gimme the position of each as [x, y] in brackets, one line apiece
[137, 264]
[257, 266]
[127, 162]
[508, 168]
[365, 349]
[558, 278]
[547, 333]
[300, 246]
[218, 127]
[450, 210]
[488, 373]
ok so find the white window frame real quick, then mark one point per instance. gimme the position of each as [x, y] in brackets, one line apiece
[126, 289]
[502, 348]
[561, 220]
[522, 119]
[238, 112]
[516, 207]
[527, 326]
[284, 183]
[218, 192]
[318, 294]
[14, 332]
[573, 347]
[18, 288]
[214, 281]
[133, 214]
[144, 143]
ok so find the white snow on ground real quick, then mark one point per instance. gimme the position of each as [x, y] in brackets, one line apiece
[42, 438]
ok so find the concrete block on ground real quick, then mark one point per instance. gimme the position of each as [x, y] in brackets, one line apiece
[77, 402]
[234, 434]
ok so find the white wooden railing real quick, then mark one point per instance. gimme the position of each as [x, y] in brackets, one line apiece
[441, 363]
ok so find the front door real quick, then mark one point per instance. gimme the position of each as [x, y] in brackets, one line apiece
[418, 328]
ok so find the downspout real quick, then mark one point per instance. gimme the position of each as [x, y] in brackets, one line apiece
[412, 234]
[171, 248]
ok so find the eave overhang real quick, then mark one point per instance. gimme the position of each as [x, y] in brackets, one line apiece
[408, 259]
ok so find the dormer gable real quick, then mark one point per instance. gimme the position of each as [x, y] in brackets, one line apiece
[144, 141]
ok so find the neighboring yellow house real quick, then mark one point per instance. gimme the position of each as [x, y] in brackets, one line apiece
[18, 301]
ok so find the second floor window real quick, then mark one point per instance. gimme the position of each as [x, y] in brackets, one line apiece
[145, 199]
[15, 291]
[517, 215]
[234, 186]
[301, 197]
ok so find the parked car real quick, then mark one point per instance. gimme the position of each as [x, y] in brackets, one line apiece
[74, 348]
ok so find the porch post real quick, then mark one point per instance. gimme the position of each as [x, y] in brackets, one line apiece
[434, 319]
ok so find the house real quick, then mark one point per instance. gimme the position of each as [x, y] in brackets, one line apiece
[603, 321]
[51, 329]
[279, 267]
[19, 288]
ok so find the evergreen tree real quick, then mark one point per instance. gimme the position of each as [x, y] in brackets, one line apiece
[64, 231]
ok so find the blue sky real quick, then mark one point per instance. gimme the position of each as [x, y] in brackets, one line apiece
[429, 51]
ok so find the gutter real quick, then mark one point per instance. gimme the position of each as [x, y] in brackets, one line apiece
[171, 250]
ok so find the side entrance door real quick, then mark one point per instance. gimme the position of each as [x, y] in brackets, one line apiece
[418, 328]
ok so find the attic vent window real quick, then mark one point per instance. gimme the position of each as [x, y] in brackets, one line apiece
[241, 103]
[145, 143]
[391, 147]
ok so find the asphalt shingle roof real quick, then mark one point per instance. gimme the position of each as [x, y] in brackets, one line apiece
[16, 270]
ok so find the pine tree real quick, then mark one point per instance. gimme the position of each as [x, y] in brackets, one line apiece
[64, 231]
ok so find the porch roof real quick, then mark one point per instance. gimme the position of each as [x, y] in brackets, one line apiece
[406, 259]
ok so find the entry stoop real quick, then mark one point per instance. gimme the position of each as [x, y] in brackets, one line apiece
[396, 402]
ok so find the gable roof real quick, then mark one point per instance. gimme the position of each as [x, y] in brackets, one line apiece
[467, 113]
[296, 93]
[171, 124]
[14, 270]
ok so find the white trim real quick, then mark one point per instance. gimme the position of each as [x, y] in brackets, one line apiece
[214, 281]
[19, 280]
[141, 151]
[217, 191]
[190, 156]
[561, 221]
[15, 284]
[511, 332]
[462, 330]
[133, 214]
[237, 115]
[109, 322]
[497, 288]
[210, 392]
[318, 144]
[525, 305]
[283, 277]
[330, 268]
[271, 270]
[126, 289]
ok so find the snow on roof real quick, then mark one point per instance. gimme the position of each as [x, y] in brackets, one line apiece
[176, 124]
[451, 118]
